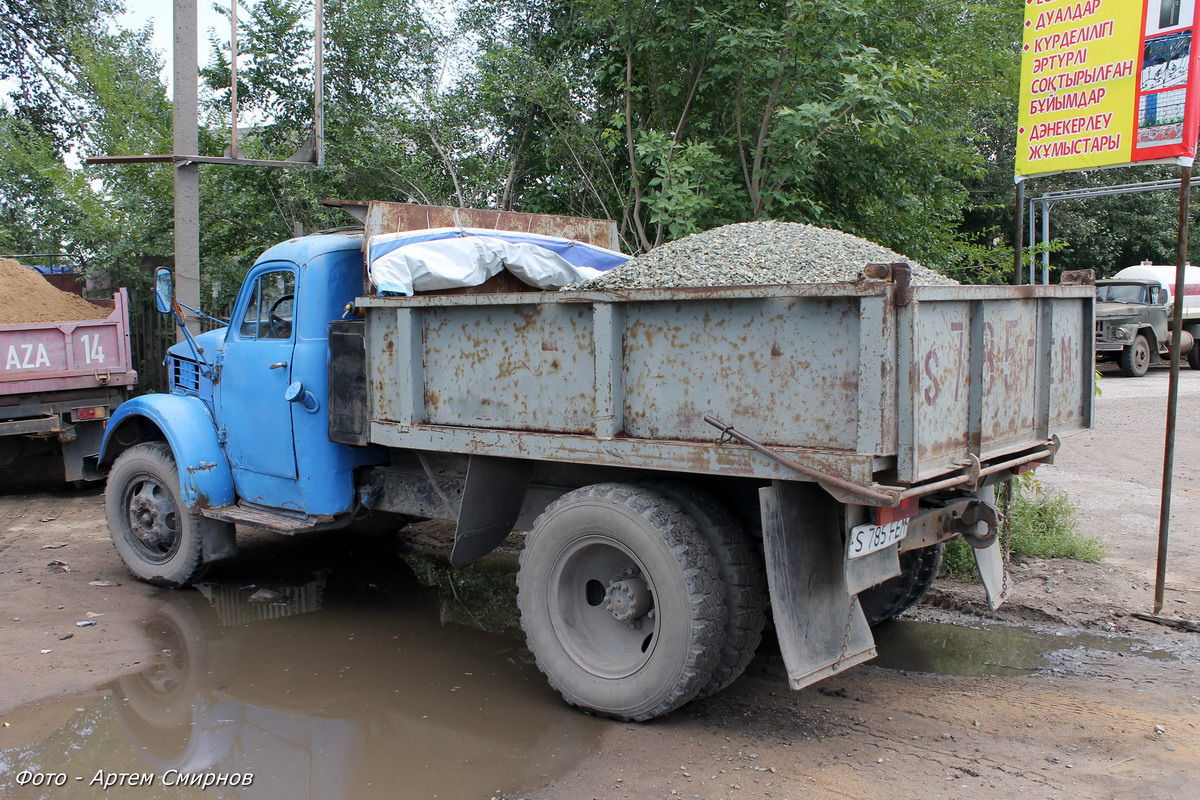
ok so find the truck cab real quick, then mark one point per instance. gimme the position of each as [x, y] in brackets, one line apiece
[1164, 275]
[241, 435]
[1132, 325]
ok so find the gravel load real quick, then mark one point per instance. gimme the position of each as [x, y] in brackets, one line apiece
[757, 254]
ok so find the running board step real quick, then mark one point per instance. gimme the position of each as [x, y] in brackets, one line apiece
[278, 521]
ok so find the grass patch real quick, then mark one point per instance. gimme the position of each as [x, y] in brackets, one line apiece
[958, 562]
[1042, 524]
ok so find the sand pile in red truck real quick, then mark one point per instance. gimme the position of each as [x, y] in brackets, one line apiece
[26, 297]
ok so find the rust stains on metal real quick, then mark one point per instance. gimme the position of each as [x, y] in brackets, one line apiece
[887, 495]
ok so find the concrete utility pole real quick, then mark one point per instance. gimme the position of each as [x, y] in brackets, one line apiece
[185, 157]
[187, 173]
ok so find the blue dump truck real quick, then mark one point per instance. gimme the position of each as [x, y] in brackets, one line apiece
[678, 457]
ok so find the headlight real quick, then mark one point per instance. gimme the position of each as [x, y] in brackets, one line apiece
[1122, 334]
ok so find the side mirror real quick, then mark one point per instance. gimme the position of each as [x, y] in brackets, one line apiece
[164, 290]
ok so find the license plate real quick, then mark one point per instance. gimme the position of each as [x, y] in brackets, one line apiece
[867, 539]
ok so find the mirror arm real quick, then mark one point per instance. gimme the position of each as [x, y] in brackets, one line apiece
[206, 368]
[200, 313]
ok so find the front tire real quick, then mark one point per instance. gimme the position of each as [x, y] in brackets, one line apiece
[621, 601]
[159, 540]
[1135, 359]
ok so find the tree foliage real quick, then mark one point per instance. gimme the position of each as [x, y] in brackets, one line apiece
[673, 116]
[893, 120]
[109, 219]
[40, 56]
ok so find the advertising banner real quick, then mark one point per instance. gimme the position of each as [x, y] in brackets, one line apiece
[1106, 83]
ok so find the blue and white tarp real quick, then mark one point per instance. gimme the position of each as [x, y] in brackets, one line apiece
[450, 258]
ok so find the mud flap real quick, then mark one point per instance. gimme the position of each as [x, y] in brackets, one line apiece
[217, 541]
[990, 561]
[996, 584]
[869, 570]
[820, 625]
[491, 502]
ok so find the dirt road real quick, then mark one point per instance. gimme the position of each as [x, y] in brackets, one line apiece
[1113, 473]
[393, 685]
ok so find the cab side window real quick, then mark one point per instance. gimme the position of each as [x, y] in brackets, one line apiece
[270, 310]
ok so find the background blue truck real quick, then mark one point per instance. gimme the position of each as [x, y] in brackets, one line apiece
[678, 456]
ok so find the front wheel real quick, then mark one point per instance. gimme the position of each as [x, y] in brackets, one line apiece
[621, 601]
[159, 540]
[1135, 359]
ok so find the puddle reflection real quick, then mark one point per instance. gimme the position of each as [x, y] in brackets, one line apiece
[998, 650]
[338, 687]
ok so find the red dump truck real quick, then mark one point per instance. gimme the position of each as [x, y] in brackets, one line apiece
[59, 383]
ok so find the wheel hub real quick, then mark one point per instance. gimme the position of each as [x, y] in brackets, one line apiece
[151, 516]
[602, 607]
[628, 599]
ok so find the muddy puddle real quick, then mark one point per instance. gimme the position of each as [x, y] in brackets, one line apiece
[999, 650]
[394, 680]
[327, 674]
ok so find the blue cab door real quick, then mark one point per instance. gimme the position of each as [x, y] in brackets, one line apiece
[256, 369]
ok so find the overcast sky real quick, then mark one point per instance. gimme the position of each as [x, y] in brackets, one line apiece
[160, 12]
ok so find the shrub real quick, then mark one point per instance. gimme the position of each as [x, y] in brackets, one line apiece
[1041, 524]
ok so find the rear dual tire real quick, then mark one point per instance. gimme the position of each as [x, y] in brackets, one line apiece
[740, 567]
[621, 601]
[890, 599]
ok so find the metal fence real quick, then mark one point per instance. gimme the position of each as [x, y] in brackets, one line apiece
[150, 334]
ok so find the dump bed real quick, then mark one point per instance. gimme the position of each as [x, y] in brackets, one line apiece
[53, 356]
[873, 382]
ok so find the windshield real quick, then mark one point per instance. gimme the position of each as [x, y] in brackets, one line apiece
[1118, 293]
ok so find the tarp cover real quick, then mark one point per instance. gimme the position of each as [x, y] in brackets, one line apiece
[449, 258]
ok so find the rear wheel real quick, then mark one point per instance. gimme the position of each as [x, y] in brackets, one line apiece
[1135, 359]
[621, 601]
[159, 540]
[741, 570]
[890, 599]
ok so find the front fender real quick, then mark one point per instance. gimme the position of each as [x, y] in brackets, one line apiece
[205, 477]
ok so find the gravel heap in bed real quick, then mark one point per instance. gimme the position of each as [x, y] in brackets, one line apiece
[756, 254]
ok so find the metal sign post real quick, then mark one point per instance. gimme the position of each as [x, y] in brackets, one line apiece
[1164, 519]
[1019, 236]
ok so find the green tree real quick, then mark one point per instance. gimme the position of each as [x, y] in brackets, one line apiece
[673, 116]
[390, 133]
[40, 57]
[110, 220]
